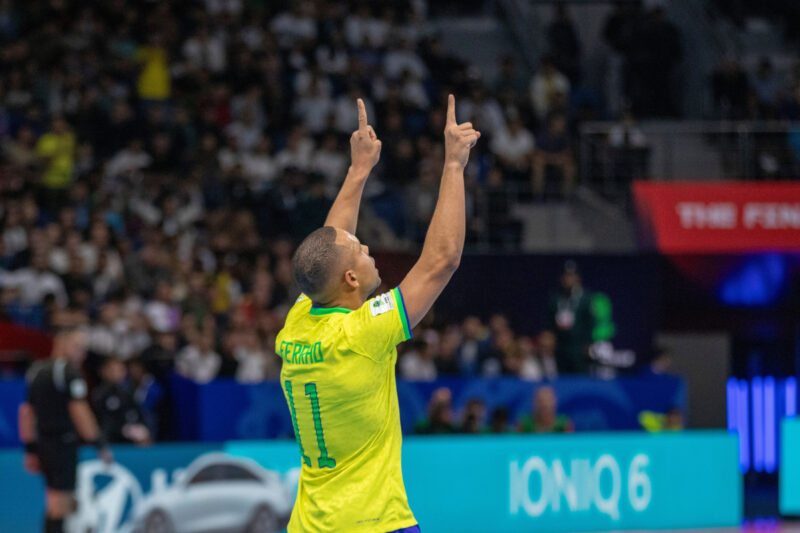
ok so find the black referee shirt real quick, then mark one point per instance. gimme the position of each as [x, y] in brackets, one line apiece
[51, 386]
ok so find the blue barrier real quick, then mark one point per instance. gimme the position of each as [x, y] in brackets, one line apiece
[511, 483]
[225, 410]
[12, 393]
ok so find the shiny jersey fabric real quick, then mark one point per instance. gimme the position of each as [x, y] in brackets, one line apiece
[338, 377]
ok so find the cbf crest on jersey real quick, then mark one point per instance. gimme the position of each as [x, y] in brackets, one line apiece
[381, 304]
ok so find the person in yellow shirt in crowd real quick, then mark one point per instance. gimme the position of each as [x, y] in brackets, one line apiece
[154, 81]
[56, 149]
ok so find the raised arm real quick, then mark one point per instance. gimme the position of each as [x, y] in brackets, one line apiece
[365, 150]
[441, 253]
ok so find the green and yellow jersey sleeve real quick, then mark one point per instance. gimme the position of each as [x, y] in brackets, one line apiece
[374, 329]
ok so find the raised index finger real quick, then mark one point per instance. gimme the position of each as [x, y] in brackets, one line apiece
[362, 115]
[451, 109]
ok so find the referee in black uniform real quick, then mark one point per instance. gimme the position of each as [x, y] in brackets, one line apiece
[51, 421]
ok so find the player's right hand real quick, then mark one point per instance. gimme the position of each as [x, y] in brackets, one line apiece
[458, 138]
[365, 148]
[31, 463]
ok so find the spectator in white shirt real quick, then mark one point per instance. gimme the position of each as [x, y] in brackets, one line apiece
[549, 89]
[331, 162]
[333, 58]
[206, 51]
[246, 130]
[15, 238]
[128, 161]
[376, 30]
[259, 166]
[355, 26]
[295, 25]
[250, 102]
[482, 110]
[198, 360]
[529, 367]
[109, 275]
[417, 363]
[413, 91]
[298, 151]
[36, 282]
[255, 364]
[162, 313]
[404, 58]
[514, 146]
[229, 155]
[99, 240]
[217, 7]
[314, 109]
[102, 337]
[58, 258]
[312, 81]
[626, 133]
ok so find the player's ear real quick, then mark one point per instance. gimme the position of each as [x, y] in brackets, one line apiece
[351, 279]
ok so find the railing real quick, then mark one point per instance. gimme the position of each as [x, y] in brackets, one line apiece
[696, 150]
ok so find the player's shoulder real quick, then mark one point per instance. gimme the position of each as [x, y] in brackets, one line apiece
[35, 370]
[383, 303]
[300, 307]
[372, 312]
[302, 302]
[382, 311]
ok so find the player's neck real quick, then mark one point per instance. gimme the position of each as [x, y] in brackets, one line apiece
[347, 300]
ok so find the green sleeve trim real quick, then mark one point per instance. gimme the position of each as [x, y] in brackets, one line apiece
[328, 310]
[398, 297]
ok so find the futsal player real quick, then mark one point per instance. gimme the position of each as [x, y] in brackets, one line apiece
[51, 421]
[338, 348]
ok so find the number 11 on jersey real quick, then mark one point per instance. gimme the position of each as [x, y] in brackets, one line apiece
[324, 460]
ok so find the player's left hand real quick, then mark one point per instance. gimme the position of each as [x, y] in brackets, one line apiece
[365, 148]
[458, 138]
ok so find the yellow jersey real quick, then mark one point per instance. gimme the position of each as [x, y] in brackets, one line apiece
[338, 377]
[154, 80]
[60, 151]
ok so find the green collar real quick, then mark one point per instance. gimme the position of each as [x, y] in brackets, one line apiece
[328, 310]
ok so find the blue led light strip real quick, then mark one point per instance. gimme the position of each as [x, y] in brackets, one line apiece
[790, 390]
[757, 395]
[742, 417]
[770, 420]
[731, 389]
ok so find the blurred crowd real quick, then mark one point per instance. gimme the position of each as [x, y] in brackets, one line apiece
[763, 92]
[170, 119]
[474, 419]
[161, 160]
[576, 340]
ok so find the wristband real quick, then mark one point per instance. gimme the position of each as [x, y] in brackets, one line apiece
[31, 447]
[99, 443]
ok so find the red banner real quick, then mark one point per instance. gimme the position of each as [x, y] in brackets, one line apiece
[720, 216]
[15, 338]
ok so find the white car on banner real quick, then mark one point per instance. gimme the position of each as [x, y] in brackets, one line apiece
[215, 493]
